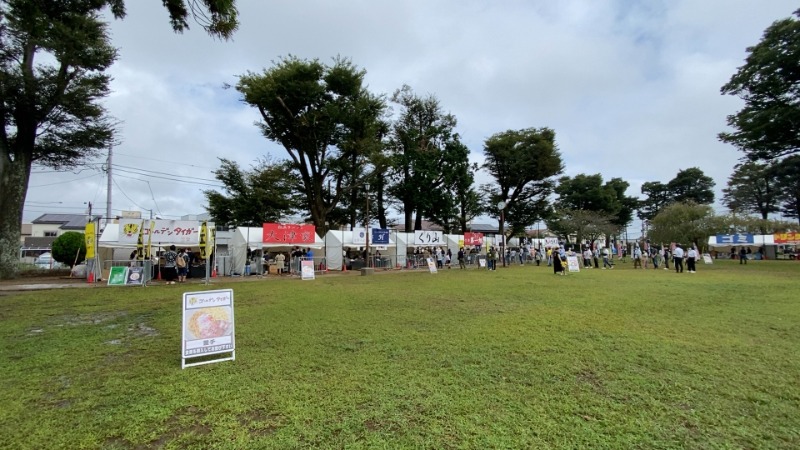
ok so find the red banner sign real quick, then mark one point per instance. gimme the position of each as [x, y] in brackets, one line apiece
[288, 233]
[786, 238]
[473, 238]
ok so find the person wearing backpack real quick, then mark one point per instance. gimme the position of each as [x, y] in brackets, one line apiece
[182, 264]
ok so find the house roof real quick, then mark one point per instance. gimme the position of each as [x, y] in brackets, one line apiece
[67, 221]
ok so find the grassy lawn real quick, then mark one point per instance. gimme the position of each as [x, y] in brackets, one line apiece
[516, 358]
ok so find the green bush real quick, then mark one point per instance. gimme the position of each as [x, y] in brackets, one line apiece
[67, 246]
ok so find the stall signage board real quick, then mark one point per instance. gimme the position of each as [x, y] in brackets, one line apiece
[786, 238]
[572, 263]
[288, 233]
[117, 276]
[359, 236]
[432, 266]
[380, 236]
[183, 232]
[707, 259]
[433, 238]
[473, 239]
[307, 270]
[551, 242]
[134, 276]
[208, 326]
[741, 238]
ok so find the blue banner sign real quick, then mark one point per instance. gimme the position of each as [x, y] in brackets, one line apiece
[380, 236]
[735, 239]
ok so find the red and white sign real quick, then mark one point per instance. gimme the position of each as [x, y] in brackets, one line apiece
[786, 238]
[289, 233]
[473, 238]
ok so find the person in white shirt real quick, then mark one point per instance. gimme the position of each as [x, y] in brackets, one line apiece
[678, 259]
[691, 259]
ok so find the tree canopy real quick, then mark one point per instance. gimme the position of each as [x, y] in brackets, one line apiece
[768, 126]
[266, 193]
[53, 56]
[689, 185]
[219, 18]
[324, 118]
[523, 164]
[752, 188]
[787, 173]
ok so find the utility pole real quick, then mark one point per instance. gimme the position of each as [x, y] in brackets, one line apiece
[108, 185]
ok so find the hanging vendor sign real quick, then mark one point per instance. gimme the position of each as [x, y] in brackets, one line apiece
[735, 239]
[427, 237]
[473, 239]
[288, 233]
[359, 236]
[786, 238]
[380, 236]
[179, 232]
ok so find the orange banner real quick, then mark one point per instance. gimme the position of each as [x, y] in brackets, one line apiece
[786, 238]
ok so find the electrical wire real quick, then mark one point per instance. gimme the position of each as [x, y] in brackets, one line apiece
[126, 196]
[139, 157]
[64, 182]
[170, 178]
[164, 173]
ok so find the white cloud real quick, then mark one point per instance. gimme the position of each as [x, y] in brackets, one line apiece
[631, 88]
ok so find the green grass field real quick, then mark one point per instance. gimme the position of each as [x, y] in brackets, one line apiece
[516, 358]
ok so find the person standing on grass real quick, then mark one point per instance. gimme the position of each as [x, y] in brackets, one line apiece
[461, 264]
[558, 264]
[549, 256]
[170, 258]
[743, 256]
[587, 258]
[691, 260]
[678, 258]
[637, 257]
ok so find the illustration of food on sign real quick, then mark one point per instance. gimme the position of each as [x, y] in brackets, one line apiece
[210, 323]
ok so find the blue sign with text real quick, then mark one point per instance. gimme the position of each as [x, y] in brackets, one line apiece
[735, 239]
[380, 236]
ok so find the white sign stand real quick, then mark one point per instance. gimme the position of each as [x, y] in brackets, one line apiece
[432, 266]
[572, 264]
[208, 326]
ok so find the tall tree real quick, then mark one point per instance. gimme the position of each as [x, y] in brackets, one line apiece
[692, 185]
[752, 189]
[322, 115]
[685, 223]
[689, 185]
[266, 193]
[589, 193]
[787, 172]
[586, 225]
[768, 126]
[523, 164]
[426, 152]
[53, 56]
[657, 197]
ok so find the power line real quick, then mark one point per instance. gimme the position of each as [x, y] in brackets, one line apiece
[64, 182]
[168, 178]
[129, 199]
[164, 161]
[164, 173]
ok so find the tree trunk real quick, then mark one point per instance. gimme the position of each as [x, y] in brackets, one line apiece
[13, 189]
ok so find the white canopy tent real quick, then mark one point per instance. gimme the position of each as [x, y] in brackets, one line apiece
[252, 238]
[337, 241]
[765, 241]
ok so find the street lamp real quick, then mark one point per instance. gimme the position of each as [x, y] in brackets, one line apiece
[366, 221]
[501, 205]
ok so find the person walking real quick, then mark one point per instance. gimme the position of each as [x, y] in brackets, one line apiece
[606, 262]
[678, 258]
[637, 257]
[559, 267]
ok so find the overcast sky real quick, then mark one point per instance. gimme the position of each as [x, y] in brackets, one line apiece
[630, 87]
